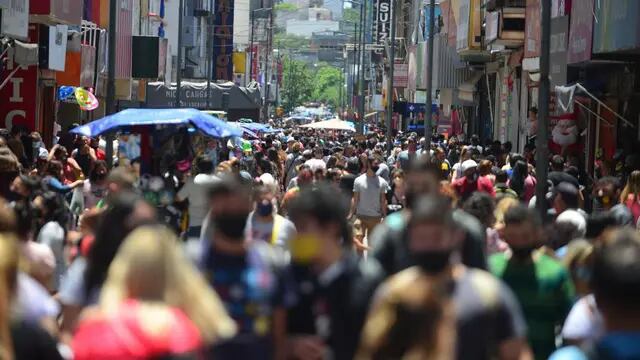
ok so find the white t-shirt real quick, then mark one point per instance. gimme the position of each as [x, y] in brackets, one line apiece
[584, 322]
[52, 235]
[196, 191]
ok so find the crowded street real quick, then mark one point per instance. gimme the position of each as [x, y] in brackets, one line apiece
[319, 179]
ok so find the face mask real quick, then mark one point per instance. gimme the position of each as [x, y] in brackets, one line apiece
[264, 208]
[522, 252]
[432, 262]
[231, 225]
[304, 249]
[375, 168]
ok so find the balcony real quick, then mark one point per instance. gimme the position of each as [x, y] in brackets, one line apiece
[493, 5]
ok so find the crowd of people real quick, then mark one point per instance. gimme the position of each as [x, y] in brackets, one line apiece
[313, 244]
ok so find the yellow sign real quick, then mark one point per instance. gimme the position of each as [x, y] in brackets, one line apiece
[239, 62]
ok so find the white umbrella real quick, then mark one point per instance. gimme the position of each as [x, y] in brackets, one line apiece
[333, 124]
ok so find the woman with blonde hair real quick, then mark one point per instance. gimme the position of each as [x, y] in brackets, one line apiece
[630, 196]
[153, 297]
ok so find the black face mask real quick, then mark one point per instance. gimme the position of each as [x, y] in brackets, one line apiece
[522, 253]
[375, 168]
[432, 262]
[231, 225]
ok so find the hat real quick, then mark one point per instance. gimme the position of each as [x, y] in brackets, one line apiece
[468, 164]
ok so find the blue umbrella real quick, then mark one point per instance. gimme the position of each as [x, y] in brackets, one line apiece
[257, 127]
[244, 130]
[126, 119]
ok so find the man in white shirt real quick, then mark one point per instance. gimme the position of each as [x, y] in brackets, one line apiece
[195, 190]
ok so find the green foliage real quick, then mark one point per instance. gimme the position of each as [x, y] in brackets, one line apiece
[351, 15]
[289, 41]
[326, 84]
[285, 7]
[297, 84]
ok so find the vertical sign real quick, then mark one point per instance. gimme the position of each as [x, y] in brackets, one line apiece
[558, 50]
[532, 29]
[15, 19]
[18, 97]
[462, 38]
[223, 40]
[581, 34]
[382, 26]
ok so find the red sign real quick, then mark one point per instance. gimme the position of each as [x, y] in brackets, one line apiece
[532, 30]
[18, 96]
[581, 33]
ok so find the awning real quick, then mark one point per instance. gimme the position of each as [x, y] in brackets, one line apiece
[468, 88]
[333, 124]
[565, 100]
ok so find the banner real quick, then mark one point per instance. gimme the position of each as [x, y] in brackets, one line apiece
[558, 51]
[617, 27]
[400, 75]
[18, 96]
[223, 40]
[581, 34]
[15, 19]
[532, 29]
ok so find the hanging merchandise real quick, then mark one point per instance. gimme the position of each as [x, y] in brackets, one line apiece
[65, 92]
[86, 100]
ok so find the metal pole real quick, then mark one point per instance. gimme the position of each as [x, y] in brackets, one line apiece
[542, 146]
[428, 121]
[251, 47]
[179, 60]
[363, 31]
[392, 57]
[210, 62]
[111, 75]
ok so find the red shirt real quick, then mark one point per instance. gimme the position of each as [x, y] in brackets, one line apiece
[465, 188]
[124, 336]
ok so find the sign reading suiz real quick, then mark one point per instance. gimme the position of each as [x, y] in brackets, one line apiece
[382, 23]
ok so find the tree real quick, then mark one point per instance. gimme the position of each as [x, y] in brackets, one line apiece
[289, 41]
[351, 15]
[296, 83]
[326, 85]
[286, 7]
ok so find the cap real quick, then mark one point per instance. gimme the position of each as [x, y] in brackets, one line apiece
[468, 164]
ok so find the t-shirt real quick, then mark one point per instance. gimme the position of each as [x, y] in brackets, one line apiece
[545, 292]
[465, 188]
[250, 286]
[369, 188]
[93, 193]
[390, 248]
[585, 322]
[487, 313]
[52, 235]
[278, 232]
[619, 346]
[196, 192]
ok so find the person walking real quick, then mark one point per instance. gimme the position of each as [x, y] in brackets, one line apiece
[369, 204]
[541, 284]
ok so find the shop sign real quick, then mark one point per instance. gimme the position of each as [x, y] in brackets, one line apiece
[382, 26]
[492, 20]
[400, 75]
[558, 51]
[581, 32]
[53, 47]
[617, 26]
[15, 19]
[18, 96]
[532, 29]
[223, 40]
[462, 33]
